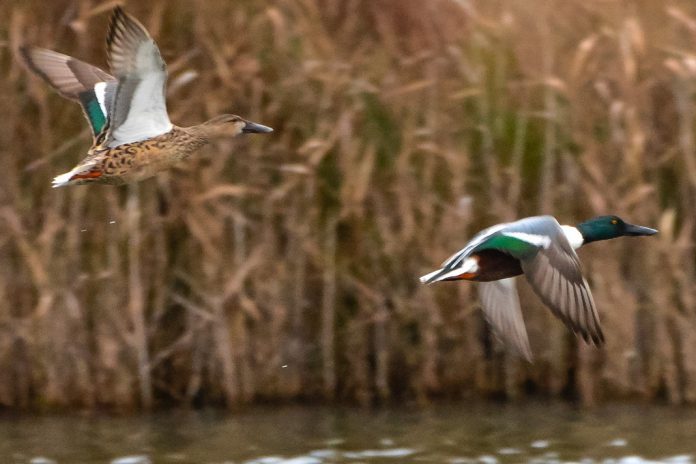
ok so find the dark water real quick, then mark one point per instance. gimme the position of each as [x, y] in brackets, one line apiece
[450, 434]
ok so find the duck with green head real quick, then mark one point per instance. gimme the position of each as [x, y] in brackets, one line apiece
[544, 251]
[133, 138]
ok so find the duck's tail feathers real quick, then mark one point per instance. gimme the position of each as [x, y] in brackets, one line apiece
[79, 173]
[466, 270]
[443, 274]
[431, 277]
[62, 180]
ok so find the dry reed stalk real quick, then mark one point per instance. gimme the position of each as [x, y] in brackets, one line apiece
[401, 129]
[328, 310]
[136, 300]
[551, 121]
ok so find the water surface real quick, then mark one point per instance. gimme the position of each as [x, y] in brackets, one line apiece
[453, 434]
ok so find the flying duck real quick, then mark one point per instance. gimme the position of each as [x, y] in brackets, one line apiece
[544, 251]
[133, 138]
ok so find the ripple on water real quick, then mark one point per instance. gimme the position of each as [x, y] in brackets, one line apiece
[280, 460]
[265, 460]
[634, 460]
[324, 453]
[132, 460]
[618, 442]
[383, 453]
[303, 460]
[680, 459]
[41, 460]
[487, 459]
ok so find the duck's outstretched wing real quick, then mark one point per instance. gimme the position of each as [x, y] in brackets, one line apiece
[501, 307]
[555, 274]
[76, 80]
[140, 110]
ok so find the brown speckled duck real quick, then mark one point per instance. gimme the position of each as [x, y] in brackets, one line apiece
[127, 112]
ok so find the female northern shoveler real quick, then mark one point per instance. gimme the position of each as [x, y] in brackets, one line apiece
[544, 251]
[133, 137]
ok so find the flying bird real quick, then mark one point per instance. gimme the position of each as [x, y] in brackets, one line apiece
[544, 251]
[133, 138]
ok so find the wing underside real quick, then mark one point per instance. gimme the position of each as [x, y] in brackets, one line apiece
[501, 307]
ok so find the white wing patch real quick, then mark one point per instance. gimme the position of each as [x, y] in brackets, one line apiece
[534, 239]
[100, 92]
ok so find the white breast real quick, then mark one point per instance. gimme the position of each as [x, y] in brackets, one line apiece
[574, 236]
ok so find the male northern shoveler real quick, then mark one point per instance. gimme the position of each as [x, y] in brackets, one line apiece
[127, 112]
[544, 251]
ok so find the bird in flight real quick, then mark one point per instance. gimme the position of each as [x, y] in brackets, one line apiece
[544, 251]
[133, 138]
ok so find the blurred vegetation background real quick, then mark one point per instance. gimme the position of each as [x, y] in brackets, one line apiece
[286, 266]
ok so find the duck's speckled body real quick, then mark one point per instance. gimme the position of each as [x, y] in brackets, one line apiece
[133, 137]
[133, 162]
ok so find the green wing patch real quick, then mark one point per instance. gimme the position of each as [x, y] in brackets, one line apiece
[93, 111]
[512, 245]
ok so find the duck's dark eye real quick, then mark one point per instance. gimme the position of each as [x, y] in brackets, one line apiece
[614, 221]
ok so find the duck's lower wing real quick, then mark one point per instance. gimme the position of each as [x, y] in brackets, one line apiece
[501, 307]
[556, 277]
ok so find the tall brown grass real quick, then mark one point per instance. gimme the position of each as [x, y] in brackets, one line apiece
[285, 266]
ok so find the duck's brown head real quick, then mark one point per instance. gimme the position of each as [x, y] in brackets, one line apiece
[230, 125]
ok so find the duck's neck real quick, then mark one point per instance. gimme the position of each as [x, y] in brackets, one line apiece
[190, 138]
[575, 236]
[205, 131]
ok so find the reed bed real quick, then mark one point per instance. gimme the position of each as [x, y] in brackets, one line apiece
[285, 267]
